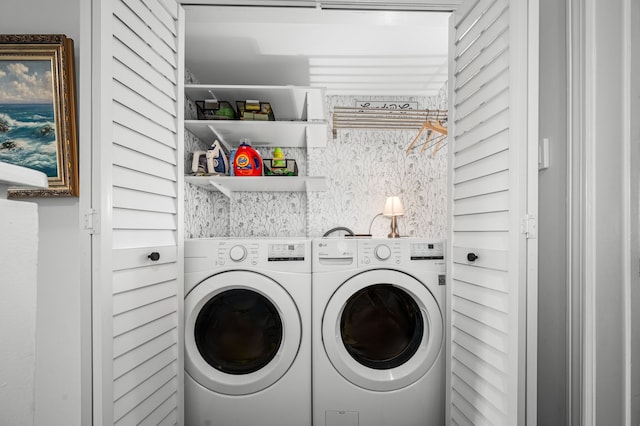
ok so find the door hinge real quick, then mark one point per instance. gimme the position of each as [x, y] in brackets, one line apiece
[529, 226]
[91, 222]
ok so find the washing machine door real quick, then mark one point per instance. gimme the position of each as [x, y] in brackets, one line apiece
[242, 332]
[382, 330]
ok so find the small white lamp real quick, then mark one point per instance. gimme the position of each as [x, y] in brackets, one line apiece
[393, 208]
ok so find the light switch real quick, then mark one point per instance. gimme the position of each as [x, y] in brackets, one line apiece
[543, 154]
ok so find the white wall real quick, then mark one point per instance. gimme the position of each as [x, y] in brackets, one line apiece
[605, 85]
[634, 300]
[18, 252]
[58, 333]
[552, 260]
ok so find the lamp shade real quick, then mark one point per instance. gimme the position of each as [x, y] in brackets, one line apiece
[393, 207]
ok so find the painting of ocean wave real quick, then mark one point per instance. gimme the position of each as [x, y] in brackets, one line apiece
[28, 137]
[38, 111]
[27, 115]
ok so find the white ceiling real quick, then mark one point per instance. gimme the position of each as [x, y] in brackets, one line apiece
[346, 51]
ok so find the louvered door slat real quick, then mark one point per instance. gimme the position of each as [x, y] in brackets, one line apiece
[132, 179]
[162, 15]
[484, 185]
[164, 410]
[134, 278]
[128, 78]
[128, 38]
[133, 378]
[124, 54]
[494, 163]
[139, 142]
[485, 203]
[489, 317]
[127, 403]
[128, 301]
[143, 107]
[143, 163]
[143, 334]
[154, 23]
[493, 393]
[478, 150]
[485, 412]
[129, 117]
[485, 353]
[489, 187]
[130, 199]
[141, 354]
[134, 22]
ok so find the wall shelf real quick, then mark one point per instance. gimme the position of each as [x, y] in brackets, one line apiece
[299, 134]
[299, 111]
[289, 103]
[229, 184]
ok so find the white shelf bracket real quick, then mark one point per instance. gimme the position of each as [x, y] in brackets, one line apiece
[314, 135]
[218, 136]
[220, 187]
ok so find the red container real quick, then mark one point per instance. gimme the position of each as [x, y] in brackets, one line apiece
[247, 161]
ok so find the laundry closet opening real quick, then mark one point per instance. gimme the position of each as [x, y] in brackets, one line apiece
[386, 59]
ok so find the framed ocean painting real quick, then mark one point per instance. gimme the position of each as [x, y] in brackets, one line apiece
[37, 111]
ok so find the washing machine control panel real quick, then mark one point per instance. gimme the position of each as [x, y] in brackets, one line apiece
[433, 250]
[379, 252]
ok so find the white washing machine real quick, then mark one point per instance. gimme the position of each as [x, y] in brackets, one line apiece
[378, 332]
[247, 332]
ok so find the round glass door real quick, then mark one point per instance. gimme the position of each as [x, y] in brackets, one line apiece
[382, 330]
[238, 331]
[381, 326]
[242, 332]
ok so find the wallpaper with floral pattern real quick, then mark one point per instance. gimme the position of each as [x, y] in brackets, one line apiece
[362, 168]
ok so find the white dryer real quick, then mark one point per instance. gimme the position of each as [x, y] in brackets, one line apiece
[378, 332]
[247, 332]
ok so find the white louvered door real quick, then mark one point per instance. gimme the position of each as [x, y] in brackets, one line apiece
[137, 242]
[491, 370]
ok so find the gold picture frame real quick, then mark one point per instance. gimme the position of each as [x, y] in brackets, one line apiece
[38, 110]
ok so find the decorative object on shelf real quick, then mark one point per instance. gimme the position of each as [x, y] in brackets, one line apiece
[38, 126]
[393, 208]
[281, 167]
[255, 110]
[212, 109]
[247, 161]
[278, 158]
[212, 162]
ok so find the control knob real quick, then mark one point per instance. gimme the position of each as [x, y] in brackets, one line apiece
[383, 252]
[237, 253]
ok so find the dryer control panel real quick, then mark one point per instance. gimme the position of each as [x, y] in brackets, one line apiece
[231, 252]
[392, 252]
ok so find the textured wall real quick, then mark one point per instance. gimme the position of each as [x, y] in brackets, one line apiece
[362, 168]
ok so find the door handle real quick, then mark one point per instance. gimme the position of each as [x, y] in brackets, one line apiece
[472, 257]
[155, 256]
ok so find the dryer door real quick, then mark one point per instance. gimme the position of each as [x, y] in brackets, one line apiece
[382, 330]
[242, 332]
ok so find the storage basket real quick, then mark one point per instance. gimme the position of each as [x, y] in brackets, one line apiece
[290, 167]
[255, 110]
[215, 110]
